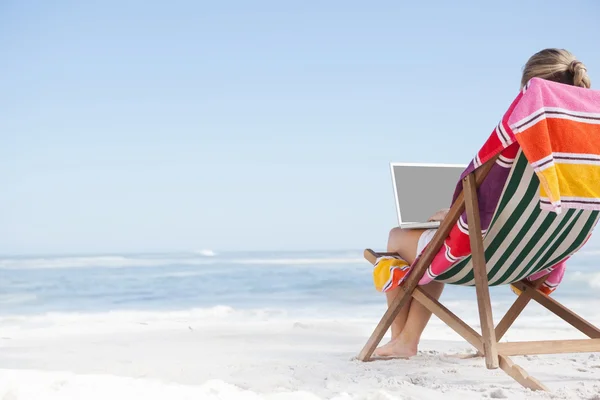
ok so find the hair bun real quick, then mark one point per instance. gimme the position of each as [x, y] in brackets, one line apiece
[580, 76]
[575, 66]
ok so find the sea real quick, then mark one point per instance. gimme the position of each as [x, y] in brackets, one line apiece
[309, 283]
[231, 325]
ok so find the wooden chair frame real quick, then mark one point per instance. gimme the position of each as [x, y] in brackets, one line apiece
[487, 343]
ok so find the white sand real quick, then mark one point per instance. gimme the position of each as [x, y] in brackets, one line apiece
[224, 354]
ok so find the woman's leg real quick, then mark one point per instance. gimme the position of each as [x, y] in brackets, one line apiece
[406, 343]
[404, 242]
[412, 319]
[400, 320]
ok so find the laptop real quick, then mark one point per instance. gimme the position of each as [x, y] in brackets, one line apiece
[421, 190]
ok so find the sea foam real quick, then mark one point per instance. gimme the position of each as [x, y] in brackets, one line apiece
[118, 261]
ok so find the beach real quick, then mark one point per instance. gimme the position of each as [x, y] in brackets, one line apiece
[188, 189]
[283, 326]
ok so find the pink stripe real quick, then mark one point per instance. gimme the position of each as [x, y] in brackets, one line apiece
[555, 273]
[543, 93]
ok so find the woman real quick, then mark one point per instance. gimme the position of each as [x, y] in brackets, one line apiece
[552, 64]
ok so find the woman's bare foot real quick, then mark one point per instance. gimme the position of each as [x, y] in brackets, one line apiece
[396, 348]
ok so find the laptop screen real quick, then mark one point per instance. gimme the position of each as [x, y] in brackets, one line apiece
[423, 189]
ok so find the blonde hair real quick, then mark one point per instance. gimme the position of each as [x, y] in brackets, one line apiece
[556, 65]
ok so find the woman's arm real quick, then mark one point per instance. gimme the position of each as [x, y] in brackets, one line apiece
[439, 216]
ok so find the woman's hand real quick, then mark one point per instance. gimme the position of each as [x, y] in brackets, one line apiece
[439, 216]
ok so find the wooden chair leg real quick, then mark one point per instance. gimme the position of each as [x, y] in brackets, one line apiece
[559, 310]
[454, 322]
[384, 324]
[393, 309]
[448, 317]
[511, 315]
[516, 309]
[509, 318]
[519, 374]
[479, 269]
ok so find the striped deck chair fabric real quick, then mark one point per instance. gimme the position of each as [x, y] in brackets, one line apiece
[555, 130]
[523, 239]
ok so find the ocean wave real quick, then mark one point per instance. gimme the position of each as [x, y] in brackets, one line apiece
[117, 261]
[592, 251]
[98, 261]
[300, 261]
[17, 298]
[217, 311]
[206, 253]
[76, 323]
[592, 279]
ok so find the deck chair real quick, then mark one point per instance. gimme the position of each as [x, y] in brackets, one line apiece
[521, 240]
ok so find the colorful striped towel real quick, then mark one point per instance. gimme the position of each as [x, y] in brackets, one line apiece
[558, 128]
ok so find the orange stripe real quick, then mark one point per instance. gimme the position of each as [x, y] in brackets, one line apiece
[567, 137]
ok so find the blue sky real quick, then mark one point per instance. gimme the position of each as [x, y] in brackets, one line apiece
[166, 126]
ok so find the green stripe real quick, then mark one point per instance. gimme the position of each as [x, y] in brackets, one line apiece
[547, 239]
[587, 228]
[512, 186]
[550, 245]
[505, 231]
[455, 269]
[517, 176]
[529, 246]
[539, 237]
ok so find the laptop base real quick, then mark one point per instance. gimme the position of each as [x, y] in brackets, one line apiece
[420, 225]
